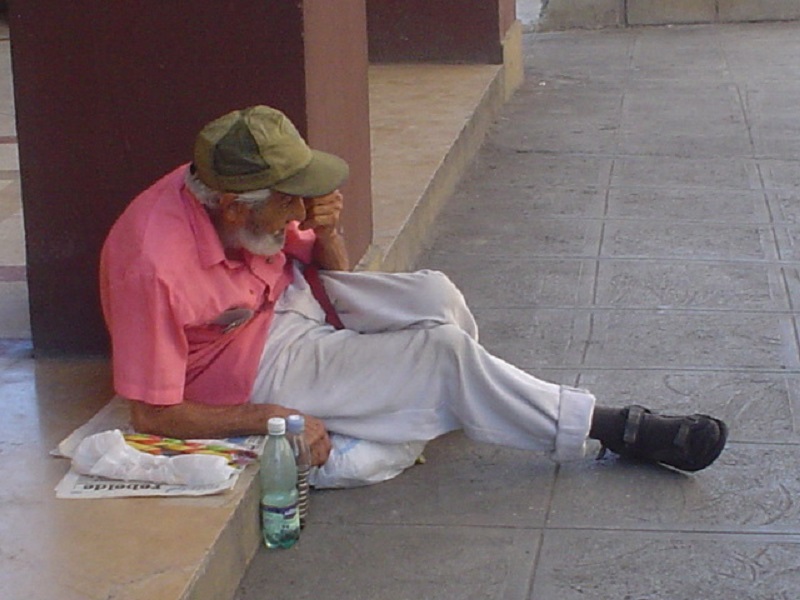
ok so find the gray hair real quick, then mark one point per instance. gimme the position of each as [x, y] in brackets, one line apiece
[210, 198]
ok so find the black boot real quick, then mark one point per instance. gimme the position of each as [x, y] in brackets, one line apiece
[688, 443]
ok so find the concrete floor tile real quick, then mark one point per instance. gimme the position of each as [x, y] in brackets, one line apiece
[14, 319]
[749, 44]
[534, 339]
[792, 277]
[540, 171]
[772, 103]
[781, 174]
[775, 143]
[462, 483]
[396, 563]
[9, 157]
[12, 240]
[517, 282]
[751, 62]
[582, 136]
[668, 138]
[759, 71]
[774, 117]
[510, 201]
[560, 376]
[683, 203]
[10, 198]
[690, 55]
[600, 565]
[577, 97]
[675, 172]
[596, 55]
[510, 235]
[784, 205]
[589, 112]
[669, 99]
[758, 407]
[693, 340]
[655, 120]
[748, 489]
[684, 284]
[684, 143]
[788, 240]
[687, 240]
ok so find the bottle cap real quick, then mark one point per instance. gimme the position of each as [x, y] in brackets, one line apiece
[276, 426]
[295, 423]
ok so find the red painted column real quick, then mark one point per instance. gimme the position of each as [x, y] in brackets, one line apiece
[109, 96]
[469, 31]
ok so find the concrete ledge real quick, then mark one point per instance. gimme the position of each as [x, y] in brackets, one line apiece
[581, 14]
[427, 123]
[596, 14]
[762, 10]
[658, 12]
[223, 566]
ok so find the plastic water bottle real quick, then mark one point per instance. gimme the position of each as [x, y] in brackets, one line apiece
[280, 520]
[296, 428]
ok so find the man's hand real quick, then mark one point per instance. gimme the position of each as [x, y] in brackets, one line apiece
[318, 440]
[322, 213]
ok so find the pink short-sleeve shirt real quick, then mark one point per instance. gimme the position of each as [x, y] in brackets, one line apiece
[185, 321]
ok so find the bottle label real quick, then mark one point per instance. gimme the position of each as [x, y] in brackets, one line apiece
[280, 512]
[280, 524]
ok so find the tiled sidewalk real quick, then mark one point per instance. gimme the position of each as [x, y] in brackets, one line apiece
[631, 226]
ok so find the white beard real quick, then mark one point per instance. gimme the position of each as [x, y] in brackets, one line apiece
[265, 244]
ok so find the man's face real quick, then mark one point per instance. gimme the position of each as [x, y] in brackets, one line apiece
[263, 229]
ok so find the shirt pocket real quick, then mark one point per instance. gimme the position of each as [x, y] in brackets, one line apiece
[226, 322]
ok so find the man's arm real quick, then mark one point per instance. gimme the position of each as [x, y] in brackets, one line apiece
[322, 215]
[190, 420]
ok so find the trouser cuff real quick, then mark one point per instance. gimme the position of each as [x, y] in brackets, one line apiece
[574, 421]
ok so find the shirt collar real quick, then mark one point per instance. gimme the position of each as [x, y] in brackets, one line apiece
[209, 247]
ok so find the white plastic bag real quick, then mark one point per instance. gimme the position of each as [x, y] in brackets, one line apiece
[107, 454]
[354, 462]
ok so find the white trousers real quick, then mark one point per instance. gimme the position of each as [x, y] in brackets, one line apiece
[409, 367]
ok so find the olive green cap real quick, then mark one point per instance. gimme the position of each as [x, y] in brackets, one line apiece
[259, 147]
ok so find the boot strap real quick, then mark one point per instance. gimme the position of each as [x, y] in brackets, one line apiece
[630, 434]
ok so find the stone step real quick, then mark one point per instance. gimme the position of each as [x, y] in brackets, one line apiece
[594, 14]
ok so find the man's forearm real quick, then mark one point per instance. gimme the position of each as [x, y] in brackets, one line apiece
[330, 252]
[189, 420]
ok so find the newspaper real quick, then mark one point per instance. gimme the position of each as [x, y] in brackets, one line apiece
[115, 415]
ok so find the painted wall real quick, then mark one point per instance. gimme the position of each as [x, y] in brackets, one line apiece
[467, 31]
[109, 96]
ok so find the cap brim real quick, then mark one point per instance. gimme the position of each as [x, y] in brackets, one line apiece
[321, 176]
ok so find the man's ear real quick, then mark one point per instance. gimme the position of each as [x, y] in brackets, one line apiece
[233, 212]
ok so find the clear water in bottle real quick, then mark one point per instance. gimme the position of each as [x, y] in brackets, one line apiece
[280, 518]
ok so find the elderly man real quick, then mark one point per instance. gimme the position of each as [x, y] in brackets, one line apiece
[220, 318]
